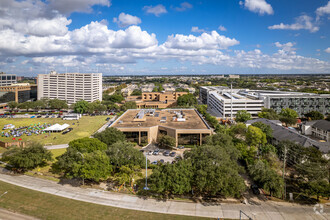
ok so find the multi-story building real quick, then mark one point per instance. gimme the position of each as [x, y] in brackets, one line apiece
[318, 128]
[71, 87]
[224, 102]
[143, 126]
[129, 89]
[156, 99]
[19, 93]
[7, 79]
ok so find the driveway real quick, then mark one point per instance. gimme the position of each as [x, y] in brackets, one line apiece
[264, 211]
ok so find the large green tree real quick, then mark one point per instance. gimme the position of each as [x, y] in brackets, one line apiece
[12, 105]
[243, 116]
[288, 116]
[268, 114]
[264, 128]
[81, 106]
[128, 105]
[110, 136]
[255, 136]
[166, 141]
[27, 158]
[57, 104]
[314, 115]
[187, 100]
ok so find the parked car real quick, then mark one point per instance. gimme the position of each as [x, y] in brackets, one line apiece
[166, 153]
[172, 154]
[156, 152]
[154, 162]
[107, 119]
[162, 161]
[150, 153]
[59, 116]
[65, 132]
[181, 147]
[255, 189]
[33, 116]
[70, 129]
[47, 116]
[39, 116]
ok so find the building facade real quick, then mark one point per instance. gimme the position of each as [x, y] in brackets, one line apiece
[144, 126]
[70, 87]
[19, 93]
[7, 79]
[319, 129]
[225, 102]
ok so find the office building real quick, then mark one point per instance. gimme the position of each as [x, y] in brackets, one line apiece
[7, 79]
[20, 92]
[225, 102]
[143, 126]
[319, 129]
[156, 99]
[71, 87]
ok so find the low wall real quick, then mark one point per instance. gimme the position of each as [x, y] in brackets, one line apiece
[10, 144]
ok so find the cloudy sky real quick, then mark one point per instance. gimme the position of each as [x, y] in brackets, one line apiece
[165, 37]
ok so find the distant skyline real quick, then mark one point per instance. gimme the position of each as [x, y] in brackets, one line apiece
[148, 37]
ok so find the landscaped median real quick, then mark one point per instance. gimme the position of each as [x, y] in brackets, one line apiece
[47, 206]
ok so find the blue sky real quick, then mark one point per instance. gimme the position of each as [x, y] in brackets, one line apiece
[120, 37]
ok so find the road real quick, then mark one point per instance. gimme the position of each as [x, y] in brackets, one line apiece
[265, 211]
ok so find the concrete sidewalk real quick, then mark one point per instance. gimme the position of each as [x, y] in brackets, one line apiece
[59, 146]
[267, 210]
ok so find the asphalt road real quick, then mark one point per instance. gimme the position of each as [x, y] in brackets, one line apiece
[264, 211]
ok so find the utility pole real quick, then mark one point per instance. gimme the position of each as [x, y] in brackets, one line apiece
[284, 164]
[146, 187]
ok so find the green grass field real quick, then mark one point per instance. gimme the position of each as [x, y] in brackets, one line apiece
[86, 127]
[47, 206]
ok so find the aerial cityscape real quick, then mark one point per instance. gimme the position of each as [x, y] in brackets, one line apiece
[198, 109]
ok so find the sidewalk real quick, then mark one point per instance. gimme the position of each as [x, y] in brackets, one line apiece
[267, 210]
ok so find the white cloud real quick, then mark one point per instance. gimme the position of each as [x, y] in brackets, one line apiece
[303, 22]
[204, 41]
[197, 30]
[323, 10]
[327, 50]
[125, 20]
[67, 7]
[258, 6]
[184, 6]
[156, 10]
[222, 28]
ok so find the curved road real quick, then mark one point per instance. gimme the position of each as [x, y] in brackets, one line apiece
[267, 210]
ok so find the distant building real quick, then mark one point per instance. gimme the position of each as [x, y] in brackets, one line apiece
[143, 126]
[128, 90]
[156, 99]
[233, 76]
[20, 92]
[71, 87]
[318, 128]
[224, 102]
[7, 79]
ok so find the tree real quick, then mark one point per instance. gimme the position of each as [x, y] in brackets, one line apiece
[12, 105]
[113, 107]
[58, 104]
[214, 172]
[87, 145]
[264, 128]
[166, 141]
[81, 106]
[136, 92]
[243, 116]
[288, 116]
[268, 114]
[238, 129]
[124, 154]
[27, 158]
[314, 115]
[39, 104]
[116, 98]
[255, 137]
[187, 100]
[128, 105]
[110, 136]
[25, 105]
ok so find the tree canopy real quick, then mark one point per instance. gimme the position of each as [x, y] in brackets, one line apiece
[187, 100]
[81, 106]
[110, 136]
[243, 116]
[166, 141]
[314, 115]
[255, 136]
[27, 158]
[268, 114]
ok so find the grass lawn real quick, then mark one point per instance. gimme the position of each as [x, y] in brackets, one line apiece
[47, 206]
[87, 126]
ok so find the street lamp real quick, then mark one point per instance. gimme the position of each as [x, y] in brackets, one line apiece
[146, 187]
[83, 159]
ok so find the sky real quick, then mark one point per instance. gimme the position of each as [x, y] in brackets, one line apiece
[138, 37]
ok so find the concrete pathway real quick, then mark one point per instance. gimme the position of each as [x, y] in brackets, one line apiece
[265, 211]
[52, 147]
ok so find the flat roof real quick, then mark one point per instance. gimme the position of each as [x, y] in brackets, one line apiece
[192, 119]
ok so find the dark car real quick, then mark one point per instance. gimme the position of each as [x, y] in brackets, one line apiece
[172, 154]
[70, 129]
[162, 161]
[255, 189]
[156, 152]
[65, 132]
[107, 119]
[39, 116]
[166, 153]
[59, 116]
[47, 116]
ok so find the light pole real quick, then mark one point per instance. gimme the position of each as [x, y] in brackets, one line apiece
[146, 187]
[83, 159]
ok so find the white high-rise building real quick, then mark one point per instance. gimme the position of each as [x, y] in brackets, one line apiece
[71, 87]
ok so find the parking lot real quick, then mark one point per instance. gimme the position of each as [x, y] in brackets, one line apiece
[160, 156]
